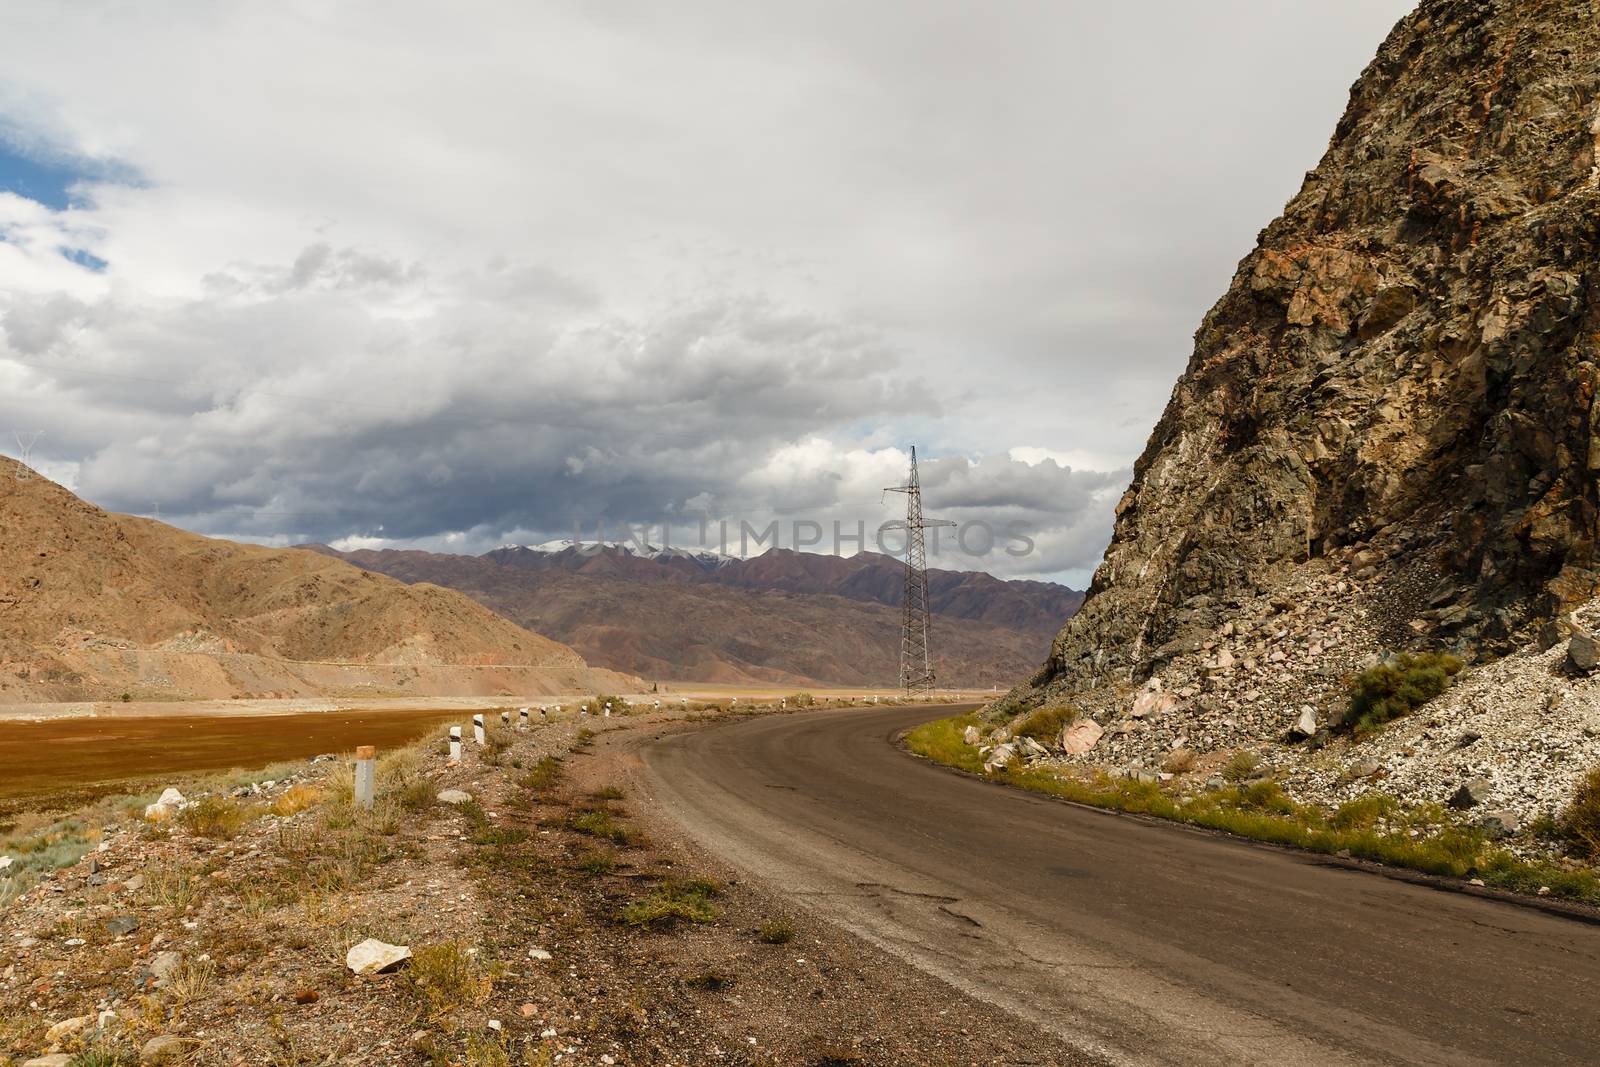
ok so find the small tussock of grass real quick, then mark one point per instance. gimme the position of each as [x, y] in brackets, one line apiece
[448, 978]
[37, 845]
[711, 981]
[776, 932]
[597, 861]
[1373, 827]
[542, 776]
[219, 818]
[297, 798]
[1390, 690]
[1241, 765]
[609, 792]
[803, 700]
[1046, 724]
[673, 900]
[597, 822]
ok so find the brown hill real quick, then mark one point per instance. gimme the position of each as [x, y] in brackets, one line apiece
[96, 604]
[667, 619]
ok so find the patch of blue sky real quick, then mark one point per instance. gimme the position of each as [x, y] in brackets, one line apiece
[55, 180]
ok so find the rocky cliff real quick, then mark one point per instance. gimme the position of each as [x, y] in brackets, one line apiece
[1386, 435]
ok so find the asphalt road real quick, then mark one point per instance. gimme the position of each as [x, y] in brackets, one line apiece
[1133, 941]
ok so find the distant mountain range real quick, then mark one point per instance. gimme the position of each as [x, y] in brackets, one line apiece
[784, 617]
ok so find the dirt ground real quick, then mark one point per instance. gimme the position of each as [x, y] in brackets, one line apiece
[548, 921]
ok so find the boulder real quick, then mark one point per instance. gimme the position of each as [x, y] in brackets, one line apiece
[1081, 736]
[455, 796]
[55, 1059]
[1500, 823]
[1002, 757]
[164, 966]
[1305, 725]
[1471, 793]
[1152, 702]
[166, 1049]
[1031, 748]
[971, 736]
[66, 1028]
[1583, 651]
[168, 802]
[373, 956]
[121, 924]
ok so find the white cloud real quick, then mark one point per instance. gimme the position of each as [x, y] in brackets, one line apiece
[459, 276]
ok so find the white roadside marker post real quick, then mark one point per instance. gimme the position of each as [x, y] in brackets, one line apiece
[524, 723]
[658, 705]
[477, 728]
[366, 775]
[783, 704]
[608, 710]
[505, 718]
[455, 744]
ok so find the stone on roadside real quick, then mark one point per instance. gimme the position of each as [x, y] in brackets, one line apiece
[373, 956]
[1471, 793]
[538, 954]
[166, 1048]
[1500, 823]
[1305, 726]
[66, 1028]
[1081, 736]
[164, 966]
[455, 796]
[1000, 758]
[120, 925]
[1152, 702]
[168, 802]
[1032, 748]
[55, 1059]
[971, 736]
[1583, 651]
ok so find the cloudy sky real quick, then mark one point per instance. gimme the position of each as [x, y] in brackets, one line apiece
[448, 276]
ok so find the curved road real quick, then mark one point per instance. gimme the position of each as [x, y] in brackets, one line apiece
[1134, 942]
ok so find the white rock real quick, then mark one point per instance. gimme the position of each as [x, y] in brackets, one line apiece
[164, 966]
[56, 1059]
[538, 954]
[168, 802]
[455, 796]
[373, 956]
[5, 861]
[971, 736]
[1081, 736]
[67, 1027]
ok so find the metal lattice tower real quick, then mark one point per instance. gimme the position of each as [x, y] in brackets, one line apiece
[916, 658]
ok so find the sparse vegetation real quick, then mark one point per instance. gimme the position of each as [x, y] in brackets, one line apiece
[609, 792]
[1045, 724]
[776, 932]
[1424, 837]
[673, 900]
[448, 978]
[1179, 761]
[542, 775]
[1390, 690]
[597, 861]
[597, 822]
[1579, 824]
[1241, 765]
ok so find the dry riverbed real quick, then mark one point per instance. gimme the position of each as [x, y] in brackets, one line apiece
[548, 921]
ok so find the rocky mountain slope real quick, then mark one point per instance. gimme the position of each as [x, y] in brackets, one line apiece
[715, 620]
[1386, 436]
[97, 604]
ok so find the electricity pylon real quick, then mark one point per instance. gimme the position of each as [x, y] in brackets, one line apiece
[916, 659]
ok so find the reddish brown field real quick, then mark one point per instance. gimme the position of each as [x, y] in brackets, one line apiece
[75, 758]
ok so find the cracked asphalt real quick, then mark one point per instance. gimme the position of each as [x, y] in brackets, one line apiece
[1131, 941]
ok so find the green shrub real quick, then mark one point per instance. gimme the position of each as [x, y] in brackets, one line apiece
[776, 932]
[542, 775]
[599, 823]
[1390, 690]
[803, 700]
[1045, 725]
[1579, 823]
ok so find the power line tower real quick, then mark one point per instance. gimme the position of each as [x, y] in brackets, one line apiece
[916, 660]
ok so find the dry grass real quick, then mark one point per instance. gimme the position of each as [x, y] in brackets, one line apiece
[448, 978]
[674, 900]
